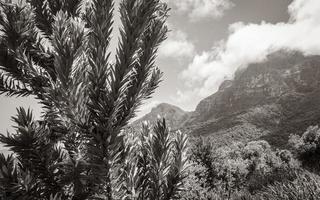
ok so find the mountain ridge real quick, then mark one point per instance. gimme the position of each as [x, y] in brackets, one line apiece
[174, 115]
[268, 100]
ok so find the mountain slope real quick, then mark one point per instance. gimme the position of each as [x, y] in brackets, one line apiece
[268, 100]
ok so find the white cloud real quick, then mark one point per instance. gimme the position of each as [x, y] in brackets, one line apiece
[248, 43]
[146, 108]
[184, 96]
[200, 9]
[177, 46]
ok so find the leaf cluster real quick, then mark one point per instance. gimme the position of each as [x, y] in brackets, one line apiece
[57, 51]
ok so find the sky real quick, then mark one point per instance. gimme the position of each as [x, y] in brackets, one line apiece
[209, 40]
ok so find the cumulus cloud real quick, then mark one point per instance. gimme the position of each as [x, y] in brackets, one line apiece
[248, 43]
[184, 96]
[146, 108]
[199, 9]
[177, 46]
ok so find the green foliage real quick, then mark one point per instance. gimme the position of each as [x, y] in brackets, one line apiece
[230, 170]
[57, 51]
[254, 170]
[202, 156]
[16, 181]
[307, 148]
[306, 186]
[159, 161]
[196, 187]
[33, 148]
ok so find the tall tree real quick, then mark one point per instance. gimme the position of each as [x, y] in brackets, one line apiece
[57, 51]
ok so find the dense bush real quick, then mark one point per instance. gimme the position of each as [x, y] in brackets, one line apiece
[195, 184]
[156, 165]
[306, 186]
[201, 153]
[242, 167]
[254, 170]
[307, 148]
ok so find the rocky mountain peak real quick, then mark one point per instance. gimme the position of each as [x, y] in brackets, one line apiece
[173, 114]
[267, 100]
[165, 107]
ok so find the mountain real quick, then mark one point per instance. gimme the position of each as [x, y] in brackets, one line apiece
[268, 100]
[174, 115]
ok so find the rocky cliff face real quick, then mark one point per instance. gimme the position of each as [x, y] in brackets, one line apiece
[268, 100]
[261, 84]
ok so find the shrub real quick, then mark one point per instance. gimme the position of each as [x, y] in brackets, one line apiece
[57, 52]
[306, 186]
[156, 164]
[246, 167]
[307, 148]
[195, 184]
[201, 153]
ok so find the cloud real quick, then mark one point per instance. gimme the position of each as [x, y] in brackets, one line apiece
[185, 98]
[146, 108]
[248, 43]
[177, 46]
[200, 9]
